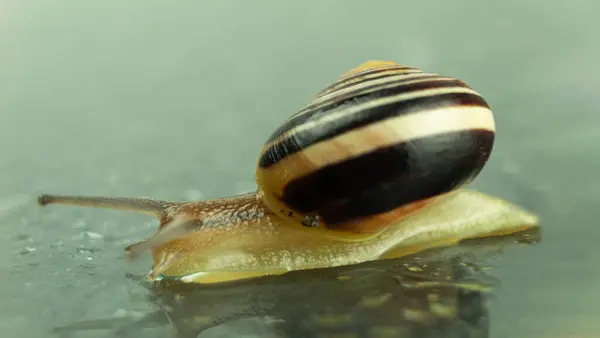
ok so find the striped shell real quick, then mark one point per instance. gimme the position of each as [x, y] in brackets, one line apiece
[381, 141]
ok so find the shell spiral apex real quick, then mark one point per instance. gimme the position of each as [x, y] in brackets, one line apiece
[381, 141]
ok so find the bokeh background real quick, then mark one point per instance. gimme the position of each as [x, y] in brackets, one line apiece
[174, 99]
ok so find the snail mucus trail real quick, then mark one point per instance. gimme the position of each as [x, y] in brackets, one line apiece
[374, 167]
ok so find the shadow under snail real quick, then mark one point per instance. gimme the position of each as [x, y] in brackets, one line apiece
[373, 168]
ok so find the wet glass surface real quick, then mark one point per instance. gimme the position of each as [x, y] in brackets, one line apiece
[174, 102]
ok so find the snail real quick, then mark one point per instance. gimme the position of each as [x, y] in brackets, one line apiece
[374, 167]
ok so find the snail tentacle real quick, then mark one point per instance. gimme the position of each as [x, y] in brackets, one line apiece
[170, 227]
[147, 206]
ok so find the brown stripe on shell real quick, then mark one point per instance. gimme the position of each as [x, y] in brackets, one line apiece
[366, 76]
[333, 99]
[420, 97]
[359, 142]
[389, 177]
[364, 88]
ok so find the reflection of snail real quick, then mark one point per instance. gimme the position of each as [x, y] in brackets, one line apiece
[376, 162]
[440, 290]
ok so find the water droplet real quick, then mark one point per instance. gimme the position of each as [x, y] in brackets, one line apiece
[83, 251]
[26, 250]
[79, 224]
[415, 268]
[93, 235]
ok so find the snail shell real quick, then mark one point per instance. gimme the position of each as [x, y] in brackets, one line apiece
[377, 144]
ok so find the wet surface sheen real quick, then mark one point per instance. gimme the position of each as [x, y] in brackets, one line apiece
[174, 102]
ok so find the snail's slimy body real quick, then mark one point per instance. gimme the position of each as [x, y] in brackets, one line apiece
[240, 237]
[260, 245]
[373, 168]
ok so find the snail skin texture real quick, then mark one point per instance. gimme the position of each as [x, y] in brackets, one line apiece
[374, 167]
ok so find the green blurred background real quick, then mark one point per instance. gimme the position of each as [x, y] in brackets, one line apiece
[174, 100]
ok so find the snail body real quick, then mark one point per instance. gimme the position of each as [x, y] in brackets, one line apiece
[374, 167]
